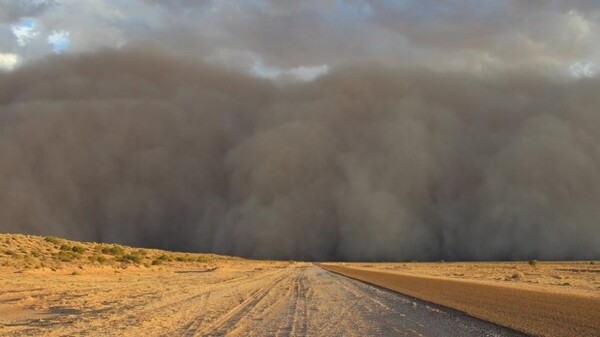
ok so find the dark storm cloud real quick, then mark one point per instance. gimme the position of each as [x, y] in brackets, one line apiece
[365, 163]
[464, 35]
[12, 10]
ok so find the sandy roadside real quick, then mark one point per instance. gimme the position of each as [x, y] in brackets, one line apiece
[523, 308]
[137, 301]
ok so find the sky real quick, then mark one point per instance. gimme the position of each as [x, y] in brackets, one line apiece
[316, 129]
[302, 40]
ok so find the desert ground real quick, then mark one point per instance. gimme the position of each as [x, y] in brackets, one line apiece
[538, 298]
[56, 287]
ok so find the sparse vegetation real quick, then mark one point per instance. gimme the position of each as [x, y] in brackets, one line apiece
[130, 258]
[78, 249]
[97, 258]
[533, 263]
[67, 256]
[163, 258]
[52, 239]
[29, 252]
[114, 250]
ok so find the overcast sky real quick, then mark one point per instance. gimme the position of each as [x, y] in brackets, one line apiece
[303, 39]
[447, 129]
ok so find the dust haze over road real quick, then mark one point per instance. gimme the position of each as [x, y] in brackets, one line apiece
[140, 147]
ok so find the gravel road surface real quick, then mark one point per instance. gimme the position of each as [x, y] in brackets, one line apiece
[287, 300]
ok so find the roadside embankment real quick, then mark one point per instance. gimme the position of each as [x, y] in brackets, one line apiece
[539, 313]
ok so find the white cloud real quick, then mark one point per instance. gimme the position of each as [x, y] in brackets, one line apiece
[579, 26]
[24, 31]
[9, 61]
[301, 73]
[60, 40]
[261, 70]
[309, 73]
[302, 40]
[583, 69]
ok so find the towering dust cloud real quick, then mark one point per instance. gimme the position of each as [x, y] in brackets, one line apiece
[364, 164]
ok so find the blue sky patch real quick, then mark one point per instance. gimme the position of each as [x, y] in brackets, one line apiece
[60, 40]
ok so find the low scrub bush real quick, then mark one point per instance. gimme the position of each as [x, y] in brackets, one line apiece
[78, 249]
[52, 239]
[131, 258]
[164, 257]
[67, 255]
[114, 250]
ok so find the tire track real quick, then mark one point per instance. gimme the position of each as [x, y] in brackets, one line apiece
[277, 299]
[195, 326]
[299, 321]
[229, 320]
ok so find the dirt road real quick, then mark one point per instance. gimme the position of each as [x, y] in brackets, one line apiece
[248, 300]
[540, 313]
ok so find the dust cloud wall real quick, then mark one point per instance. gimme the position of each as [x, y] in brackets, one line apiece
[366, 163]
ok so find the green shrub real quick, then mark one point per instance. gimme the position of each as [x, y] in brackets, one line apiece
[78, 249]
[157, 262]
[97, 258]
[128, 258]
[114, 250]
[35, 253]
[533, 263]
[163, 257]
[65, 247]
[52, 239]
[66, 256]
